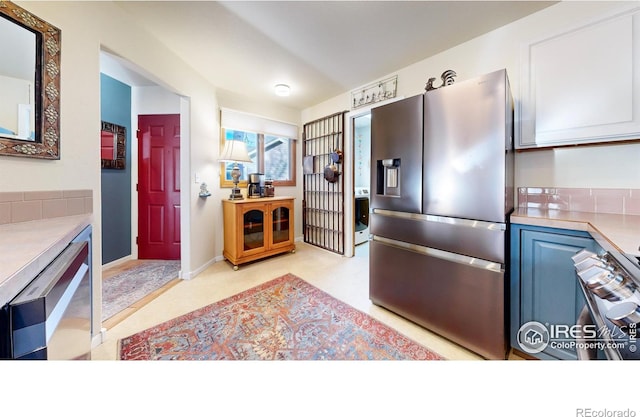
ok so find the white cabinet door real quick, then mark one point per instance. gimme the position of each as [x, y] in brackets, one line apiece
[582, 86]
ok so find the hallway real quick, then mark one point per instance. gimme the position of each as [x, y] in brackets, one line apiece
[113, 272]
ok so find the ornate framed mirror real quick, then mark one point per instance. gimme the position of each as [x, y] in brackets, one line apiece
[30, 84]
[113, 141]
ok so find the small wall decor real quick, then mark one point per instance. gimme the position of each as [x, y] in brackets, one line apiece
[204, 192]
[374, 92]
[447, 79]
[112, 146]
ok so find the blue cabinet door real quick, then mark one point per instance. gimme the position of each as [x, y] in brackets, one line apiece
[546, 290]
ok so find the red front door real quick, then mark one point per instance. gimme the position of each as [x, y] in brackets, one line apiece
[159, 186]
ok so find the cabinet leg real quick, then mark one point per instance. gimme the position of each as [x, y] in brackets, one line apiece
[235, 267]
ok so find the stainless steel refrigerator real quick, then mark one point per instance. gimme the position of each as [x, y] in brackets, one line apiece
[441, 196]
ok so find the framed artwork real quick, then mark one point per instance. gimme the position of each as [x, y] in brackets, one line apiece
[113, 145]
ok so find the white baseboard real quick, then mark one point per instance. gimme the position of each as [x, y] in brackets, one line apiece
[197, 271]
[99, 338]
[117, 262]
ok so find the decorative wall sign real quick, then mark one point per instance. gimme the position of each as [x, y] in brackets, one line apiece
[374, 92]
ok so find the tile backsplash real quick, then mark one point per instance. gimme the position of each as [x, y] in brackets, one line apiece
[592, 200]
[25, 206]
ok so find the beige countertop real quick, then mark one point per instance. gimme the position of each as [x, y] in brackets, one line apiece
[620, 231]
[26, 248]
[247, 200]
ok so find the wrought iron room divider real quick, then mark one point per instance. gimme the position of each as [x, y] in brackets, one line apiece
[323, 189]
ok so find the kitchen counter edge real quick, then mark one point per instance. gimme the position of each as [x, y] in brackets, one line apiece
[619, 232]
[28, 247]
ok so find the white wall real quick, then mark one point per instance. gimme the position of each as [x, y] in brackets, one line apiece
[153, 100]
[609, 166]
[362, 153]
[14, 91]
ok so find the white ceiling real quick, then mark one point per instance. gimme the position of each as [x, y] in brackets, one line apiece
[319, 48]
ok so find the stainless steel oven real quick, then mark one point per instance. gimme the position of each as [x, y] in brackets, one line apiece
[51, 317]
[607, 326]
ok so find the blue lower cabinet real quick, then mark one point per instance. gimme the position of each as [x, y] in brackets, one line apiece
[546, 299]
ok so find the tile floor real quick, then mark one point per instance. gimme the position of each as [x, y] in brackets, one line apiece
[343, 278]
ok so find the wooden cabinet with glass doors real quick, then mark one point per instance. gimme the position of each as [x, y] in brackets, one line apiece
[257, 228]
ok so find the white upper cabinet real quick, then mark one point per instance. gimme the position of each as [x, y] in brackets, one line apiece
[582, 86]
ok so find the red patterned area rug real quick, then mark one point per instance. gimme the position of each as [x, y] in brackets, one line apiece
[283, 319]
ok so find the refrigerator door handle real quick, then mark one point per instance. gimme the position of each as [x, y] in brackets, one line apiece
[441, 219]
[437, 253]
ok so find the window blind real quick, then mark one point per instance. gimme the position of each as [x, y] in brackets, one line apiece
[235, 120]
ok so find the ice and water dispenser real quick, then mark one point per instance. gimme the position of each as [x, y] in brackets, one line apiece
[388, 177]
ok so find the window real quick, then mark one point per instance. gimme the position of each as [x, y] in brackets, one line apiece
[273, 154]
[278, 153]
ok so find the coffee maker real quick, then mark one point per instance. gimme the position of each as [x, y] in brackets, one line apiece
[256, 185]
[268, 188]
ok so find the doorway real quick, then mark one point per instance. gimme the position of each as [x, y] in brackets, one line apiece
[361, 176]
[146, 98]
[159, 186]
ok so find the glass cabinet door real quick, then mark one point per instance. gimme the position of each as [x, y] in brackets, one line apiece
[280, 231]
[253, 226]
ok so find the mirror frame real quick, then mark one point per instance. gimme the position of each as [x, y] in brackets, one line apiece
[119, 162]
[47, 88]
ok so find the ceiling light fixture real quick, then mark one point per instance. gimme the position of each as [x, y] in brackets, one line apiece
[282, 90]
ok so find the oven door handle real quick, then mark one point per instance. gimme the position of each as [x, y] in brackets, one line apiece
[582, 351]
